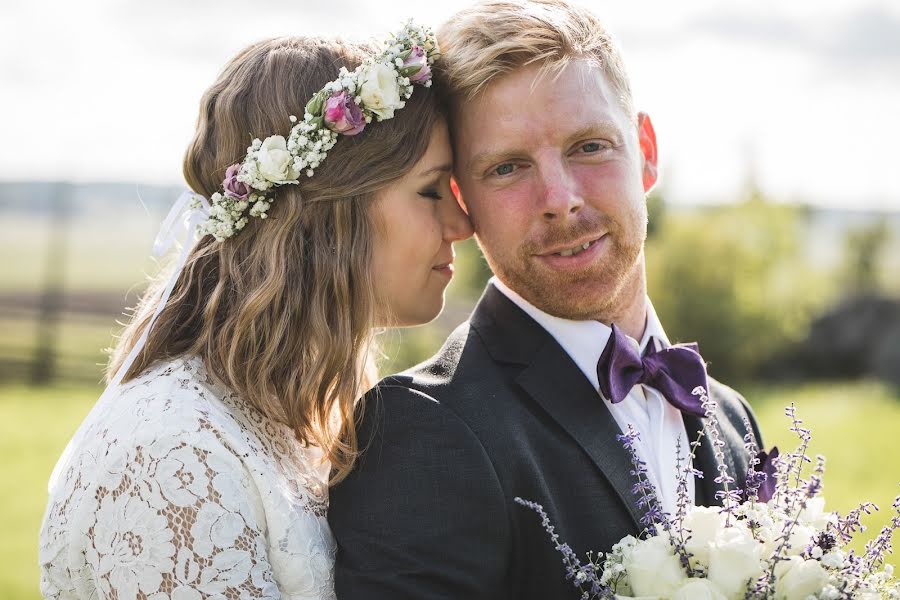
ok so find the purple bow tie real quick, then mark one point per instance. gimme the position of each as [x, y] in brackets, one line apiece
[675, 372]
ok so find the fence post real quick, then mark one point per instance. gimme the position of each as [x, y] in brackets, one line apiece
[44, 364]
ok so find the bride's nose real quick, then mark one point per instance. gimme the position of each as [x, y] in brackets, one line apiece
[455, 222]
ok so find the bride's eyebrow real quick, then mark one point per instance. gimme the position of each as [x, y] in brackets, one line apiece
[443, 168]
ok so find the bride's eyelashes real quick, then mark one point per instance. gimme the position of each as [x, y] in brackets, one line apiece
[432, 194]
[433, 190]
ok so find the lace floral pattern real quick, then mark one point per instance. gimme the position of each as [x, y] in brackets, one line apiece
[174, 489]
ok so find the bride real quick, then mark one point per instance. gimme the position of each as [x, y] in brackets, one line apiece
[203, 470]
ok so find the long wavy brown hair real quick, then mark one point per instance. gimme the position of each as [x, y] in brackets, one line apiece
[284, 312]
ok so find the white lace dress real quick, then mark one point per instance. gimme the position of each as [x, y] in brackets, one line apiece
[175, 489]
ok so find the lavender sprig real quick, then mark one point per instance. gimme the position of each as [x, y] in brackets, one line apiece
[851, 574]
[755, 478]
[579, 573]
[654, 516]
[881, 545]
[682, 502]
[730, 497]
[647, 499]
[795, 499]
[845, 527]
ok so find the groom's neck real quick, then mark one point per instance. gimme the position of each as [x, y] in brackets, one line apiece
[630, 310]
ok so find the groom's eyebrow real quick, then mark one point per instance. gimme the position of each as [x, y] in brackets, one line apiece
[489, 157]
[598, 129]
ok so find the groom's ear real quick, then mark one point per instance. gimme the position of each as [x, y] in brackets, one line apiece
[647, 141]
[454, 187]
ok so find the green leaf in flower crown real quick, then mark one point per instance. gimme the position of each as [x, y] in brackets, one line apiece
[316, 104]
[410, 70]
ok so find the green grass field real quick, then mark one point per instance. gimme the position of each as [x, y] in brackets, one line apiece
[854, 424]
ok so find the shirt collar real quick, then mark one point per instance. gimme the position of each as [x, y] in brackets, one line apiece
[583, 341]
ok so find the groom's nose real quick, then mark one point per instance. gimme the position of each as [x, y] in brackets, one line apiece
[559, 197]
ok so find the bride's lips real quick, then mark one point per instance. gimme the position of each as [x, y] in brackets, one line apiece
[445, 269]
[554, 260]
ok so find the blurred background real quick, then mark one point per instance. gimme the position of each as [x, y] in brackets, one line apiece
[774, 233]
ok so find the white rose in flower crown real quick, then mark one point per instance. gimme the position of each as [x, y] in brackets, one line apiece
[704, 523]
[274, 162]
[380, 91]
[734, 559]
[698, 589]
[653, 569]
[796, 579]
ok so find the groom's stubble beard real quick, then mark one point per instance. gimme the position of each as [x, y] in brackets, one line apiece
[603, 292]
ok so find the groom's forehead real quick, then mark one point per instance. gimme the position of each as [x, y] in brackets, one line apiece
[531, 107]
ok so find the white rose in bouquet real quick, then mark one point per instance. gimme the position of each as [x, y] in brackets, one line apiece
[801, 536]
[653, 569]
[735, 559]
[704, 522]
[814, 514]
[796, 579]
[698, 589]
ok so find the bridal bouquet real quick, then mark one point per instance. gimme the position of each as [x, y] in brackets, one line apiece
[771, 538]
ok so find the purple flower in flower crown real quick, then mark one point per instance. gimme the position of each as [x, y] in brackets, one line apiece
[417, 58]
[767, 465]
[342, 115]
[233, 187]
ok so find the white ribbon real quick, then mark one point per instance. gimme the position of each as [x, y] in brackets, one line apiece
[171, 230]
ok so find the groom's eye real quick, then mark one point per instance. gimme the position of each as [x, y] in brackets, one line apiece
[504, 169]
[591, 147]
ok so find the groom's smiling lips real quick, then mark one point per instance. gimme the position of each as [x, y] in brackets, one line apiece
[575, 256]
[576, 247]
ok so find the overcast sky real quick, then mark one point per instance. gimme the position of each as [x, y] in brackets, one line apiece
[802, 95]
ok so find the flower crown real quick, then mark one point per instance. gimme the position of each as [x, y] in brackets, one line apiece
[378, 87]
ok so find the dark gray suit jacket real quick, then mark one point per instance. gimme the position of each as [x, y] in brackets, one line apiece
[500, 411]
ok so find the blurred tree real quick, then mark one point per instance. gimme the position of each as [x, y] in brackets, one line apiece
[863, 252]
[656, 211]
[734, 279]
[471, 272]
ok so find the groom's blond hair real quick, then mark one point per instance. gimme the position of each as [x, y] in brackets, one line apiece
[484, 42]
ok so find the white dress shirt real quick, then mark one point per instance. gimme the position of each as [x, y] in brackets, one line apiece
[659, 424]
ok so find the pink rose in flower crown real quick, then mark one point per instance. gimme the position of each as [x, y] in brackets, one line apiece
[417, 58]
[233, 187]
[342, 115]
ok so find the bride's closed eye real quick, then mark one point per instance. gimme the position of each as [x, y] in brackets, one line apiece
[432, 194]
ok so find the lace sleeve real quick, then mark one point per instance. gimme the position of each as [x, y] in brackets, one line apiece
[177, 517]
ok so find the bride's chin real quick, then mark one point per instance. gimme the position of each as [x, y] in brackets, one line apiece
[426, 313]
[422, 313]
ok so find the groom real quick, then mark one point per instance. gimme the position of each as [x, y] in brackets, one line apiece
[563, 352]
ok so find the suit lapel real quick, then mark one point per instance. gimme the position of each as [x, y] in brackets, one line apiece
[553, 380]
